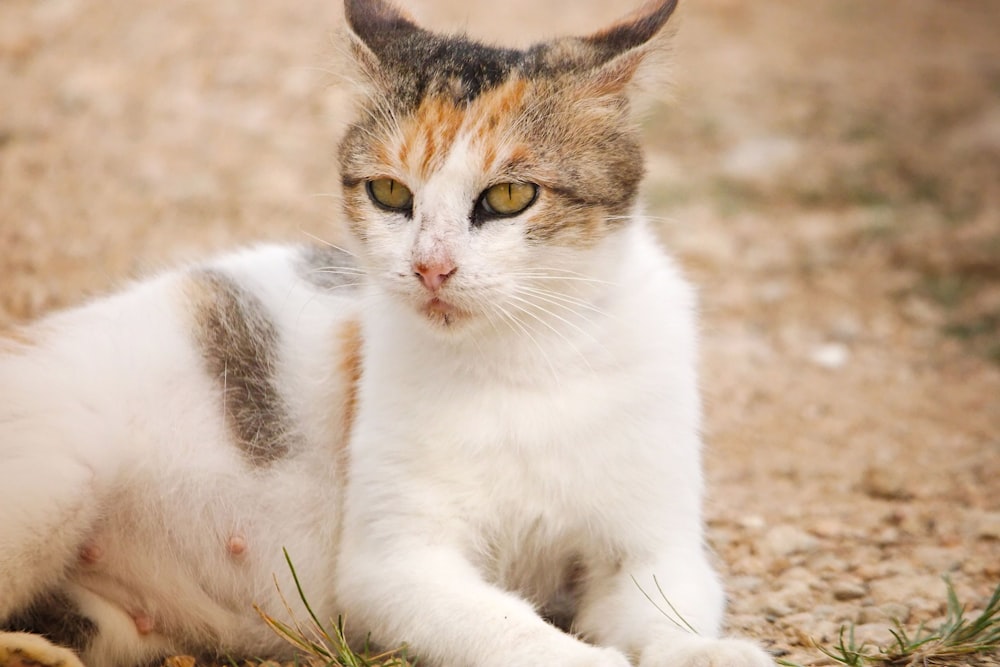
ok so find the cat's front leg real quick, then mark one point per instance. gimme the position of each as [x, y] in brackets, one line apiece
[664, 613]
[435, 602]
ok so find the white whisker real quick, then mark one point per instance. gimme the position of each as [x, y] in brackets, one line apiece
[328, 244]
[339, 270]
[513, 321]
[328, 195]
[558, 333]
[564, 300]
[546, 276]
[559, 317]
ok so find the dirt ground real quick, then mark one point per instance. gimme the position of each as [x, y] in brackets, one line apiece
[828, 172]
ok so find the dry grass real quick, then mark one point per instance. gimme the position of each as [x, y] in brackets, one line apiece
[957, 640]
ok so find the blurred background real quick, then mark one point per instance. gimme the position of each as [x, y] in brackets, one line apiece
[828, 172]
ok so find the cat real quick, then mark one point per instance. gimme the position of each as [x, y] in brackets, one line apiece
[474, 430]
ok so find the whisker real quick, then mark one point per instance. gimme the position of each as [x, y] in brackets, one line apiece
[558, 333]
[339, 270]
[547, 276]
[559, 317]
[330, 288]
[546, 295]
[328, 244]
[513, 321]
[560, 270]
[562, 319]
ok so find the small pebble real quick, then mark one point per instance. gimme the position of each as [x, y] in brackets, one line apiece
[849, 590]
[786, 540]
[886, 482]
[752, 522]
[988, 526]
[830, 356]
[776, 609]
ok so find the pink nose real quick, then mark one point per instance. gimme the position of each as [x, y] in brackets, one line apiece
[433, 274]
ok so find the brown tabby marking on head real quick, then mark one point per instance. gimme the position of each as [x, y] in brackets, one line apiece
[557, 114]
[431, 132]
[239, 345]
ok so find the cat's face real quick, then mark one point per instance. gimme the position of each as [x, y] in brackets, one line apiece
[480, 183]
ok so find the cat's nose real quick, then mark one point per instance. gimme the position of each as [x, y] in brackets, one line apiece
[433, 273]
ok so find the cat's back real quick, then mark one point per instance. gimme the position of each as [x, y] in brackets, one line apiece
[196, 341]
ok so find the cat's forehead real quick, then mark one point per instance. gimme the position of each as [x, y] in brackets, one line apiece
[431, 65]
[425, 137]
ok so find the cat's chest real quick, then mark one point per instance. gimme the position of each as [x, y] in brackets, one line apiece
[500, 451]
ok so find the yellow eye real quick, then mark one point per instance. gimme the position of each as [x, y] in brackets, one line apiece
[391, 194]
[509, 198]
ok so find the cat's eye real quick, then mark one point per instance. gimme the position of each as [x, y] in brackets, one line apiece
[505, 199]
[390, 194]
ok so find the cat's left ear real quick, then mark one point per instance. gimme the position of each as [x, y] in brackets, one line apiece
[633, 48]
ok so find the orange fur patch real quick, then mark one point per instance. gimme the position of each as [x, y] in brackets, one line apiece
[349, 365]
[15, 340]
[430, 132]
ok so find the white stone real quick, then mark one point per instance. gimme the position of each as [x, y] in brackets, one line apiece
[830, 355]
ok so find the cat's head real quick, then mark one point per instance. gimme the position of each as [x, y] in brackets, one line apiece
[480, 183]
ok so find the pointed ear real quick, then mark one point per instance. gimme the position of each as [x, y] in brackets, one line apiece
[634, 48]
[633, 30]
[377, 24]
[375, 29]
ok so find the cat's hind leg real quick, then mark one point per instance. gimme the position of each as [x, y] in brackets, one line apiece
[20, 649]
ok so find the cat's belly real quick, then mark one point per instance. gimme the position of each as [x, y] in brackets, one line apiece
[191, 561]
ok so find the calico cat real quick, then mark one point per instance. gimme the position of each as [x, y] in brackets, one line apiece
[476, 424]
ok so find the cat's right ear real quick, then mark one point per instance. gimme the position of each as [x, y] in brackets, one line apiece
[375, 27]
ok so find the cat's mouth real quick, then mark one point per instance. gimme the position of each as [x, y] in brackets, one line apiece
[436, 305]
[442, 312]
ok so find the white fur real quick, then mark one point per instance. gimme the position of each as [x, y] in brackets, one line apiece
[481, 465]
[550, 426]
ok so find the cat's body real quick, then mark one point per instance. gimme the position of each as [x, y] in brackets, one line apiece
[484, 419]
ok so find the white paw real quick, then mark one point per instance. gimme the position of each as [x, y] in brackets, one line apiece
[18, 649]
[581, 655]
[609, 657]
[699, 652]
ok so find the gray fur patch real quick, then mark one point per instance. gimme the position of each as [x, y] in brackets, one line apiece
[239, 344]
[328, 268]
[57, 618]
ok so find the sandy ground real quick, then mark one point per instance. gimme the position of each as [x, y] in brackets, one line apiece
[828, 172]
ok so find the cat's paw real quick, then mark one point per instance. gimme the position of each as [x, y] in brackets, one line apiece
[582, 655]
[700, 652]
[607, 657]
[19, 649]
